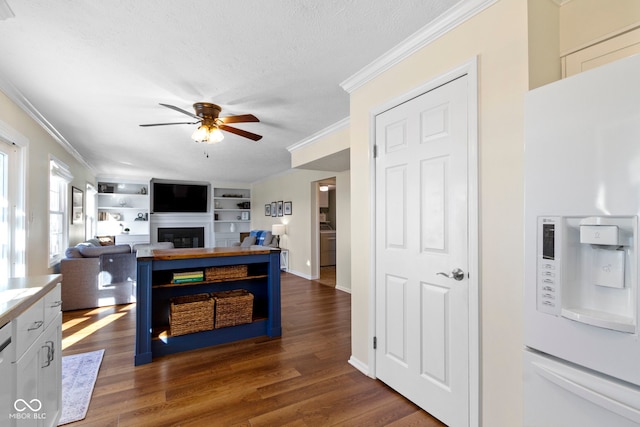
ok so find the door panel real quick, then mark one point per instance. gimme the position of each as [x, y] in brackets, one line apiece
[396, 207]
[422, 230]
[435, 326]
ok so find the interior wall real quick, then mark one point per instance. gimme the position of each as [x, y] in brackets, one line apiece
[583, 22]
[324, 146]
[343, 235]
[498, 37]
[41, 145]
[544, 47]
[297, 186]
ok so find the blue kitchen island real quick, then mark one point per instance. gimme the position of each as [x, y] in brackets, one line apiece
[156, 287]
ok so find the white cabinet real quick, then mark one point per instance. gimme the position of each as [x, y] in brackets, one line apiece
[7, 391]
[231, 214]
[323, 199]
[609, 50]
[132, 239]
[123, 205]
[38, 363]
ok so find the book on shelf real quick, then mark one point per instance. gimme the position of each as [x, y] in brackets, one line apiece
[188, 276]
[187, 280]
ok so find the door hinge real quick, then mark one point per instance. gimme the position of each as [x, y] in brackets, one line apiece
[375, 343]
[375, 151]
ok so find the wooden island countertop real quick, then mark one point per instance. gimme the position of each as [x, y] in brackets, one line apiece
[190, 253]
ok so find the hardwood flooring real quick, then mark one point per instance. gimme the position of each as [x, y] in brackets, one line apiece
[300, 379]
[328, 276]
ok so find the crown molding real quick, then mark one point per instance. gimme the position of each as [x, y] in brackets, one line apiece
[561, 2]
[446, 22]
[21, 101]
[321, 134]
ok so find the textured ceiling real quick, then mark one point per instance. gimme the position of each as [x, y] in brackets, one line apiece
[96, 69]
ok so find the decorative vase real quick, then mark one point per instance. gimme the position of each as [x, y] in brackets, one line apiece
[232, 227]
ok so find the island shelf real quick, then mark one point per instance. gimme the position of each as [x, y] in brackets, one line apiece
[155, 290]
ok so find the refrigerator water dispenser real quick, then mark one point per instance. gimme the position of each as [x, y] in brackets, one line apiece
[587, 270]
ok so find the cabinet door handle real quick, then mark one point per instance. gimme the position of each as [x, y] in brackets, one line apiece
[50, 353]
[5, 344]
[36, 325]
[55, 304]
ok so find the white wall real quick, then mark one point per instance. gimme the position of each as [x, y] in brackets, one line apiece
[298, 186]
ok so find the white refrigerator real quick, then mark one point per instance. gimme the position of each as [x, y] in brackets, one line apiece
[582, 209]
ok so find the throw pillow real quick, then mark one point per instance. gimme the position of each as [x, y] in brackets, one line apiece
[248, 241]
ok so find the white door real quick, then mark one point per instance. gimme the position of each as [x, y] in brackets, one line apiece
[422, 328]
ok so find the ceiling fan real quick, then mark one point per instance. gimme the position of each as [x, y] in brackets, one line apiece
[211, 125]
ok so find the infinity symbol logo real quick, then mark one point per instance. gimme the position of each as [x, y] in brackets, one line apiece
[24, 405]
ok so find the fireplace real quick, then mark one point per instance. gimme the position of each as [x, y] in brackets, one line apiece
[182, 237]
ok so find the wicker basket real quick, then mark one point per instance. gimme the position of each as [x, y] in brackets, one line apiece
[233, 307]
[191, 313]
[226, 272]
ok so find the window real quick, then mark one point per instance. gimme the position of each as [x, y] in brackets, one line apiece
[5, 220]
[59, 179]
[90, 211]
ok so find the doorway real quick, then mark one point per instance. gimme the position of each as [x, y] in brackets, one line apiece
[426, 282]
[327, 231]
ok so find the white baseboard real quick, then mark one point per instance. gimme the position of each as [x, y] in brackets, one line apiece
[309, 277]
[362, 367]
[343, 289]
[304, 276]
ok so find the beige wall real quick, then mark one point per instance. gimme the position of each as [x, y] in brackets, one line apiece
[544, 49]
[583, 22]
[299, 187]
[498, 37]
[325, 146]
[40, 146]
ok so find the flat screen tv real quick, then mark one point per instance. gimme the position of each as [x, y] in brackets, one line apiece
[176, 196]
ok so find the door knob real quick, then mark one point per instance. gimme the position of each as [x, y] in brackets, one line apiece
[456, 274]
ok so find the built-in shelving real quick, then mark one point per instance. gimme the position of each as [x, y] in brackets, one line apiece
[231, 214]
[123, 205]
[208, 282]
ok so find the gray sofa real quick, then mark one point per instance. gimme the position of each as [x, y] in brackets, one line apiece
[98, 276]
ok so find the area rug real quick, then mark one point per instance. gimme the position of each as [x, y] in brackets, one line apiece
[79, 373]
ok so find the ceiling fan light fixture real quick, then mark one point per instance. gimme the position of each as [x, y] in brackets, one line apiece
[209, 134]
[215, 135]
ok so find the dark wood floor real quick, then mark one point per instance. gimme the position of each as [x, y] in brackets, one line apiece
[300, 379]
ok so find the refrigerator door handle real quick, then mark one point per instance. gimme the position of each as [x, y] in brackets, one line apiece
[607, 394]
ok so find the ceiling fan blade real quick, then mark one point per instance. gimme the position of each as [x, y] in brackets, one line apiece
[167, 124]
[173, 107]
[241, 132]
[242, 118]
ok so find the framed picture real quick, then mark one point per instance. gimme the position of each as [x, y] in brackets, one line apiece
[280, 208]
[287, 208]
[267, 209]
[77, 202]
[274, 211]
[245, 216]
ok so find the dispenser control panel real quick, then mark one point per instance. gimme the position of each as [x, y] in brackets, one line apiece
[549, 265]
